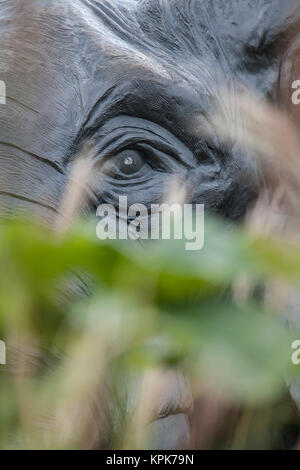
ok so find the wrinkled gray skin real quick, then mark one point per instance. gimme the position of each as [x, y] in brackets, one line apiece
[139, 77]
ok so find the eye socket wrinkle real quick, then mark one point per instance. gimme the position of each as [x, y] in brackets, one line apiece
[127, 132]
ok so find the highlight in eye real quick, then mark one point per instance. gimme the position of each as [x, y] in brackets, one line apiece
[128, 162]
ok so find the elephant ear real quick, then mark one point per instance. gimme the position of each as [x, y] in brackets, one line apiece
[212, 25]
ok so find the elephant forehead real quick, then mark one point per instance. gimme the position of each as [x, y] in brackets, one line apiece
[70, 64]
[82, 38]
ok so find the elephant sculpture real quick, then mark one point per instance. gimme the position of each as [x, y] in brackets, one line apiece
[138, 79]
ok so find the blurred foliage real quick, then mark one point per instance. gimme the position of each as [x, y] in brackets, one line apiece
[157, 306]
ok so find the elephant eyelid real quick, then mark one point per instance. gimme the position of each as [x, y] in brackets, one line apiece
[125, 131]
[164, 159]
[152, 152]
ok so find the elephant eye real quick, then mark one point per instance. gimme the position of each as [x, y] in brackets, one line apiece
[129, 162]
